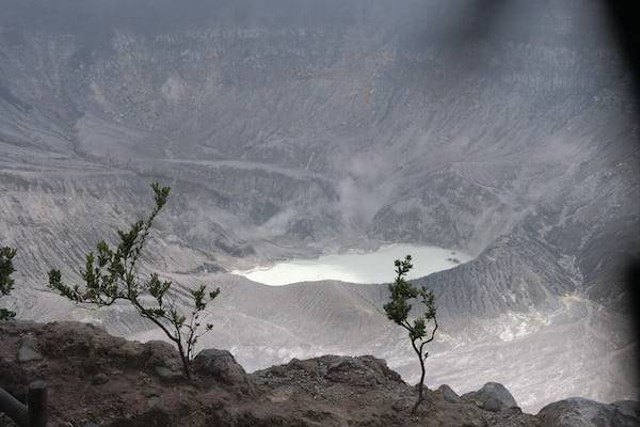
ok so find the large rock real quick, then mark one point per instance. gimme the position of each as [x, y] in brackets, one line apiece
[492, 397]
[222, 366]
[163, 359]
[448, 394]
[89, 342]
[365, 371]
[161, 353]
[85, 340]
[579, 412]
[28, 350]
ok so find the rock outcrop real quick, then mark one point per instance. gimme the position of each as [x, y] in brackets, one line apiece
[492, 397]
[449, 394]
[579, 412]
[97, 379]
[222, 366]
[28, 351]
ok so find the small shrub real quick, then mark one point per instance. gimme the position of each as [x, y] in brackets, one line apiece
[398, 310]
[6, 281]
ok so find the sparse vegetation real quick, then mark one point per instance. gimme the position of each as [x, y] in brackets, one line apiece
[398, 310]
[111, 275]
[6, 281]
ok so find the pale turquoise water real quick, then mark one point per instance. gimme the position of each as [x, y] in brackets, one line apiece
[373, 267]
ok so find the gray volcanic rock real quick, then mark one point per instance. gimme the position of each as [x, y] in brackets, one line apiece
[28, 351]
[363, 371]
[579, 412]
[161, 353]
[492, 397]
[449, 394]
[100, 378]
[163, 360]
[367, 371]
[221, 365]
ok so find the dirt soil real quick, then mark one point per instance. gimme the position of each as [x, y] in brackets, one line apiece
[97, 379]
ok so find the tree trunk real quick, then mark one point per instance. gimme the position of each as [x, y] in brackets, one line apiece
[420, 386]
[185, 361]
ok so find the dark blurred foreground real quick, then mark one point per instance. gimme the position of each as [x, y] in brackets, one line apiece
[624, 19]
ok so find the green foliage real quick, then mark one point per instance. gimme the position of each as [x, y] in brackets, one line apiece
[399, 308]
[110, 275]
[6, 281]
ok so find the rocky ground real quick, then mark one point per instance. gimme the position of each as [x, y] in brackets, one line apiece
[96, 379]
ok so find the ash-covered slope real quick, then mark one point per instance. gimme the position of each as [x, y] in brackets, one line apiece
[290, 127]
[438, 122]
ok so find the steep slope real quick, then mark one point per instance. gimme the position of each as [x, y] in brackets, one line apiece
[290, 124]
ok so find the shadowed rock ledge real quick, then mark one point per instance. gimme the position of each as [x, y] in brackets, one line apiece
[99, 380]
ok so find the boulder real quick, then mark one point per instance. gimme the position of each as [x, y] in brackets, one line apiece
[579, 412]
[222, 366]
[448, 394]
[492, 397]
[167, 374]
[153, 401]
[85, 340]
[100, 378]
[366, 371]
[163, 359]
[28, 350]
